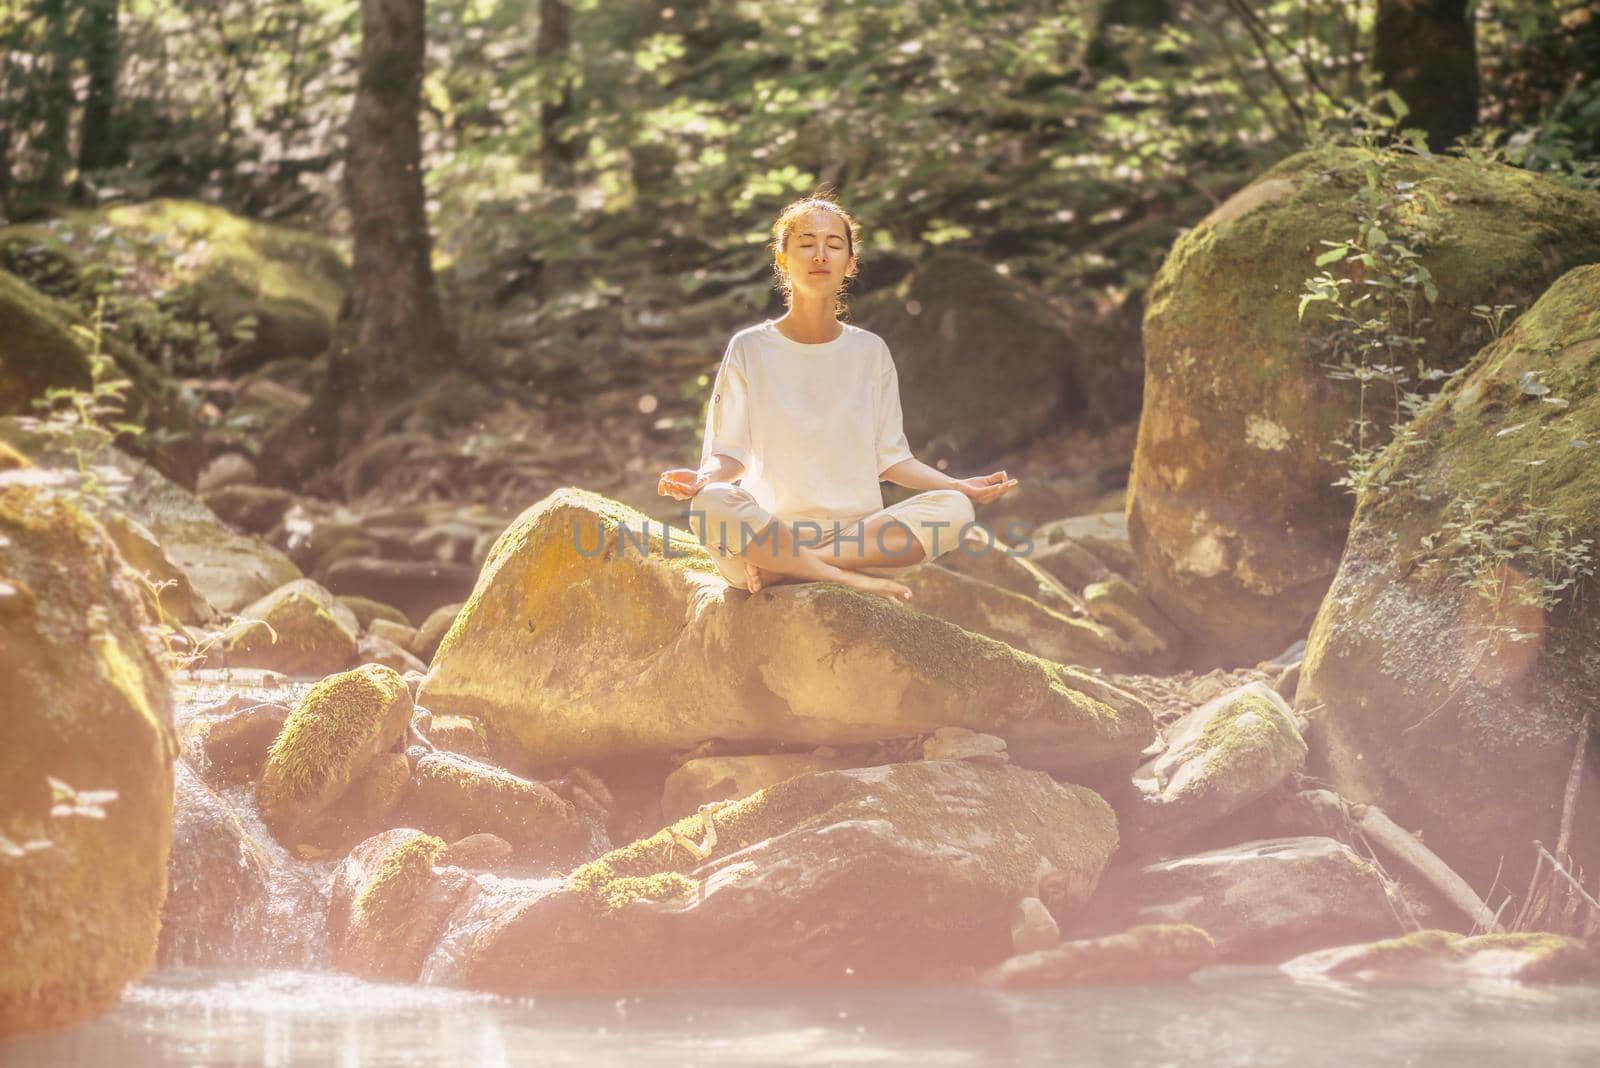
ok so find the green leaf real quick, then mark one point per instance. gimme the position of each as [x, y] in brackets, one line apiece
[1333, 255]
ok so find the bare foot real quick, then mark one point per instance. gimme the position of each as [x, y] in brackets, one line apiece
[887, 587]
[756, 578]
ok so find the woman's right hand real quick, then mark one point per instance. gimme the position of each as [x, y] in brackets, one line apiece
[682, 483]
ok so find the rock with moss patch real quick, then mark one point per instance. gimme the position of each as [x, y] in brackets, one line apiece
[1449, 669]
[228, 569]
[217, 882]
[900, 873]
[298, 629]
[706, 780]
[584, 641]
[43, 346]
[290, 282]
[982, 365]
[433, 630]
[1149, 953]
[335, 731]
[1232, 510]
[1219, 758]
[1021, 621]
[473, 796]
[390, 902]
[86, 700]
[1444, 958]
[1260, 901]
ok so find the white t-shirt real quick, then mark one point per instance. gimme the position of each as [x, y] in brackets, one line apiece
[814, 425]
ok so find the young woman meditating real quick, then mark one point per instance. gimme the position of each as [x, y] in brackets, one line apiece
[805, 415]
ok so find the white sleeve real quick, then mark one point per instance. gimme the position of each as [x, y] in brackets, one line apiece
[892, 444]
[727, 430]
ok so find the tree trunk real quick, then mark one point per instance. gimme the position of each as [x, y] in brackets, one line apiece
[1426, 51]
[102, 53]
[558, 150]
[394, 336]
[55, 99]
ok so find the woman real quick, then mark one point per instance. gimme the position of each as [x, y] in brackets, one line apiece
[805, 414]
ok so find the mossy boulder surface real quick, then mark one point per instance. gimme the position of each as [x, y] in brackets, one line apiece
[291, 282]
[1151, 953]
[481, 797]
[306, 632]
[580, 643]
[332, 735]
[45, 345]
[900, 873]
[982, 364]
[1219, 758]
[1446, 958]
[1232, 510]
[85, 699]
[1449, 672]
[390, 901]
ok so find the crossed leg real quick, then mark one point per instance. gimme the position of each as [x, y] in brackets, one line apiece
[879, 541]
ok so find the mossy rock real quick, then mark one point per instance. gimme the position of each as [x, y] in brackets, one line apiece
[1449, 691]
[305, 632]
[332, 735]
[477, 796]
[584, 639]
[45, 345]
[1151, 953]
[1232, 509]
[1219, 758]
[901, 873]
[982, 364]
[1434, 957]
[291, 282]
[390, 901]
[86, 700]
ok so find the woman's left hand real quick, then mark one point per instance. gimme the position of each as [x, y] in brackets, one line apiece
[984, 488]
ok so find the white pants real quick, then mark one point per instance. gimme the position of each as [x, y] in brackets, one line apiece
[726, 519]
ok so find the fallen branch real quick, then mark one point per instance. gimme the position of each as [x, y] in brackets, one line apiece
[1401, 844]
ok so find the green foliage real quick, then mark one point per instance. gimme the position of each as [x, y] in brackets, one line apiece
[88, 420]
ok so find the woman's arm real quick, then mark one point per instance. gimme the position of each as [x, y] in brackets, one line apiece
[721, 468]
[980, 489]
[914, 474]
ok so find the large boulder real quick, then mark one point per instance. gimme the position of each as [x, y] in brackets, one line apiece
[906, 872]
[982, 365]
[335, 732]
[579, 643]
[1449, 670]
[1232, 510]
[223, 566]
[291, 282]
[85, 700]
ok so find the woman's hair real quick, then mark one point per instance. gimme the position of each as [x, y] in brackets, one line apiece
[821, 200]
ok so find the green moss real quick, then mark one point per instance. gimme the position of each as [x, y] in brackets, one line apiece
[37, 348]
[384, 905]
[339, 723]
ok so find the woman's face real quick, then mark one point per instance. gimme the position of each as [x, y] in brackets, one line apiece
[817, 256]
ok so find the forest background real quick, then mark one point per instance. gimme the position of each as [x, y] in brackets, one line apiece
[597, 177]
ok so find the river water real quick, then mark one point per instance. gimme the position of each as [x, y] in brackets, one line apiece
[1225, 1016]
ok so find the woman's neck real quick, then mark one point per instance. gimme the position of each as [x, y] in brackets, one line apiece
[812, 324]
